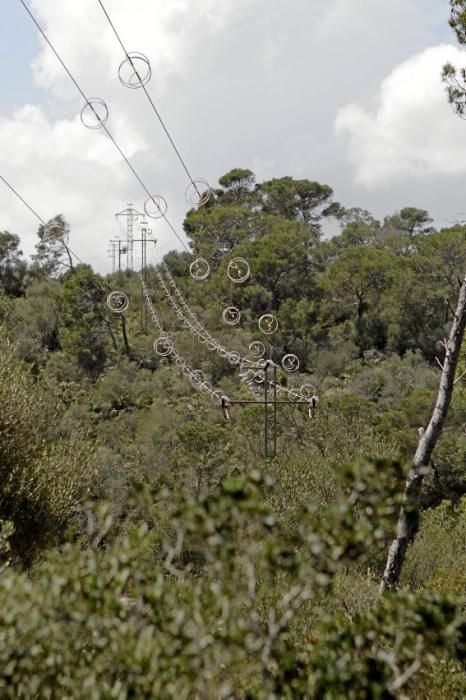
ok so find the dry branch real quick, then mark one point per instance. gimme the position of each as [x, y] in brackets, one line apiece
[409, 513]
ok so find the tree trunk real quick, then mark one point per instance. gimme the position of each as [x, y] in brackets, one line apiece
[108, 326]
[125, 337]
[409, 513]
[68, 252]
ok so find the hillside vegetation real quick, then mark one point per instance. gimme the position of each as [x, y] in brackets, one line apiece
[146, 547]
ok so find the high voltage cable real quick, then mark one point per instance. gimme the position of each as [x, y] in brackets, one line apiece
[151, 101]
[33, 211]
[102, 124]
[22, 200]
[200, 331]
[179, 359]
[88, 103]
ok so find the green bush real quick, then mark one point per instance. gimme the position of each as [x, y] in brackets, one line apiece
[212, 601]
[42, 473]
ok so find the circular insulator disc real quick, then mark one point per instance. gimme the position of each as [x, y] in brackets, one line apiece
[246, 375]
[253, 362]
[197, 377]
[234, 358]
[257, 349]
[156, 206]
[199, 269]
[259, 378]
[231, 316]
[268, 324]
[94, 114]
[163, 346]
[198, 192]
[307, 391]
[206, 387]
[135, 71]
[117, 302]
[290, 363]
[294, 395]
[238, 270]
[54, 231]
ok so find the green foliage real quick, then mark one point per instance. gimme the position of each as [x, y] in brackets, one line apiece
[34, 321]
[86, 329]
[42, 473]
[384, 648]
[409, 221]
[53, 255]
[191, 573]
[12, 268]
[238, 185]
[202, 455]
[216, 231]
[220, 605]
[237, 179]
[437, 558]
[296, 199]
[455, 79]
[458, 19]
[359, 278]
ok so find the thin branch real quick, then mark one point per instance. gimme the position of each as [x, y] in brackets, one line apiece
[401, 680]
[292, 601]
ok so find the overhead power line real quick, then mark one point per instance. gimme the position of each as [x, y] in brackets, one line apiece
[33, 211]
[151, 101]
[88, 103]
[22, 200]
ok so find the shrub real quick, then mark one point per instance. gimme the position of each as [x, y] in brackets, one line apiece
[42, 474]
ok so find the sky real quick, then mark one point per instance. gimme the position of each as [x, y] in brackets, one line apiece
[346, 92]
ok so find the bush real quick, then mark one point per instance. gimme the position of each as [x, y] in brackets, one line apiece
[42, 474]
[220, 605]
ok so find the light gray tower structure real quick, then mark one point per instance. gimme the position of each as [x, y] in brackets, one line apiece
[131, 217]
[144, 240]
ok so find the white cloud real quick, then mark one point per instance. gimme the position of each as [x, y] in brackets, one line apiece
[247, 83]
[412, 132]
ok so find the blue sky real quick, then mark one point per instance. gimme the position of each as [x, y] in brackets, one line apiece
[19, 44]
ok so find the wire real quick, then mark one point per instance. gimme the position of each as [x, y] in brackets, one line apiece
[151, 102]
[33, 211]
[248, 365]
[22, 200]
[192, 374]
[83, 95]
[75, 256]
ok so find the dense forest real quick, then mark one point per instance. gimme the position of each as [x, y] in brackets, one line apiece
[146, 547]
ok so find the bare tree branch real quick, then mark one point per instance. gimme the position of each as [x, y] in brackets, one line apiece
[409, 513]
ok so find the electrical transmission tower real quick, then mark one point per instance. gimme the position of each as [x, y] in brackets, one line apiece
[144, 240]
[131, 215]
[116, 251]
[112, 253]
